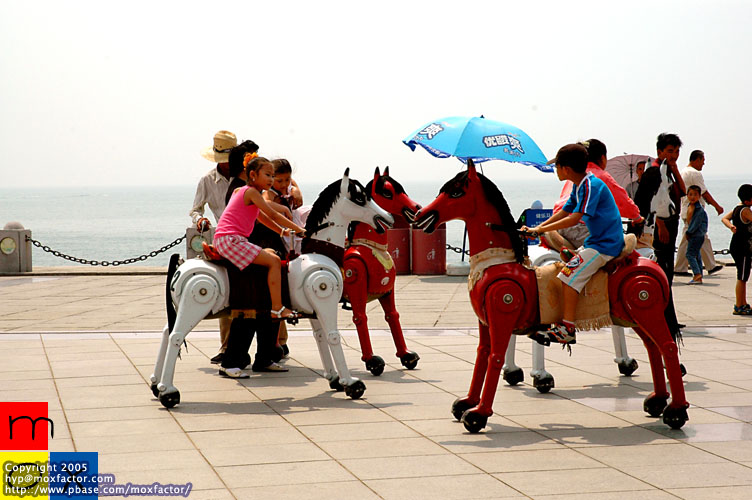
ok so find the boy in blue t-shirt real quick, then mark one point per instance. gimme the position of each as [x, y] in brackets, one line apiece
[592, 202]
[697, 227]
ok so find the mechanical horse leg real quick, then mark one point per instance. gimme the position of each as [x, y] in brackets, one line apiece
[330, 372]
[648, 313]
[504, 300]
[196, 301]
[627, 365]
[157, 375]
[354, 388]
[461, 405]
[356, 284]
[510, 372]
[542, 380]
[409, 359]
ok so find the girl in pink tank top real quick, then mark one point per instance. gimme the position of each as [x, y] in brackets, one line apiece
[236, 224]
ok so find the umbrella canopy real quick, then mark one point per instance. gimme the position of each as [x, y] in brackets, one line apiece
[624, 170]
[478, 139]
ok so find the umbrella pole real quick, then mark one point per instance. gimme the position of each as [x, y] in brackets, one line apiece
[464, 241]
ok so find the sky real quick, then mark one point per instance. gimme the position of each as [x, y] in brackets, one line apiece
[129, 93]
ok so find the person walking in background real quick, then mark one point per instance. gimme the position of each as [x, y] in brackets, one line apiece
[662, 216]
[739, 221]
[696, 230]
[692, 175]
[211, 191]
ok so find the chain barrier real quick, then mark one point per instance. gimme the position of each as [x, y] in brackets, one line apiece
[458, 250]
[104, 263]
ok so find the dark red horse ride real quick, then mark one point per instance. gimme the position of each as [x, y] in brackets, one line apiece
[504, 295]
[370, 271]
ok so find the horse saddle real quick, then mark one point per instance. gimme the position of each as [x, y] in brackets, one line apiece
[249, 291]
[593, 306]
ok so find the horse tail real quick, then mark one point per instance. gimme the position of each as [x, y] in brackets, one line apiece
[171, 313]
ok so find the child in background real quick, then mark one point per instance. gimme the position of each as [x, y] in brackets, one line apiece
[697, 227]
[592, 202]
[236, 224]
[739, 221]
[285, 192]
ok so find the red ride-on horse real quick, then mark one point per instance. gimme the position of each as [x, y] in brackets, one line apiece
[370, 272]
[505, 298]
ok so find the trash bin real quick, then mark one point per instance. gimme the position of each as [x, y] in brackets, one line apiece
[428, 252]
[398, 245]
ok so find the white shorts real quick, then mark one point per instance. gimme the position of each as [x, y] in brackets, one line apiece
[578, 271]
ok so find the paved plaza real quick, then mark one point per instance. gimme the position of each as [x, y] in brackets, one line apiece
[86, 343]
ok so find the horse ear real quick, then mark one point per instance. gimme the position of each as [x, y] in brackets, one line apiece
[376, 174]
[386, 171]
[345, 186]
[471, 172]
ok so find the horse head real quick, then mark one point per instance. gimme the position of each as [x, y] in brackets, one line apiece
[339, 204]
[391, 196]
[474, 199]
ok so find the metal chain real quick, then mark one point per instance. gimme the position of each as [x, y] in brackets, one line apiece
[457, 249]
[104, 263]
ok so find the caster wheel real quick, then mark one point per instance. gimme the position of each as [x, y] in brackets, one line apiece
[460, 406]
[544, 383]
[410, 360]
[169, 400]
[154, 390]
[473, 421]
[513, 377]
[355, 390]
[628, 368]
[675, 417]
[375, 365]
[683, 369]
[334, 384]
[654, 405]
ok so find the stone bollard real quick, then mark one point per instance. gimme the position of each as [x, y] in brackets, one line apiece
[193, 240]
[15, 250]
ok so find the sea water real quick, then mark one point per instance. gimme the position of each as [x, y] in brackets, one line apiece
[118, 223]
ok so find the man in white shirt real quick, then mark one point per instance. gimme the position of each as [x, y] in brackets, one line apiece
[211, 190]
[692, 175]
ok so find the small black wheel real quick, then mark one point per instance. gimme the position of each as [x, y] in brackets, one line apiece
[513, 377]
[675, 417]
[460, 406]
[410, 360]
[334, 384]
[355, 390]
[544, 383]
[375, 365]
[169, 400]
[473, 421]
[682, 369]
[654, 405]
[628, 368]
[154, 390]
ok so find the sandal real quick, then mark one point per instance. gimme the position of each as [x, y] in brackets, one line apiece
[744, 310]
[294, 315]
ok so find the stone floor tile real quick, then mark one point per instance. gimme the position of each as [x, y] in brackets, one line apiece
[408, 466]
[343, 490]
[394, 447]
[457, 487]
[290, 473]
[602, 480]
[692, 475]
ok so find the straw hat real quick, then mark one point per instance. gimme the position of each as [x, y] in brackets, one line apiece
[224, 141]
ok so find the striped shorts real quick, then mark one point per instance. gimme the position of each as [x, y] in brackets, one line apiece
[236, 249]
[578, 271]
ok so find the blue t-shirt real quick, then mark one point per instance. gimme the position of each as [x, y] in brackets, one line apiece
[600, 214]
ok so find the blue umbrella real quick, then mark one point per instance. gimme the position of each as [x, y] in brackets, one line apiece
[478, 139]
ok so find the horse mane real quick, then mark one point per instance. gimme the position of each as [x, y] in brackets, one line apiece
[496, 198]
[398, 189]
[326, 200]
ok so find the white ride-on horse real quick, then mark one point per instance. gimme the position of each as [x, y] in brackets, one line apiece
[199, 289]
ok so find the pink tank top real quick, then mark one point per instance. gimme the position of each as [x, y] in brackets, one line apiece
[237, 218]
